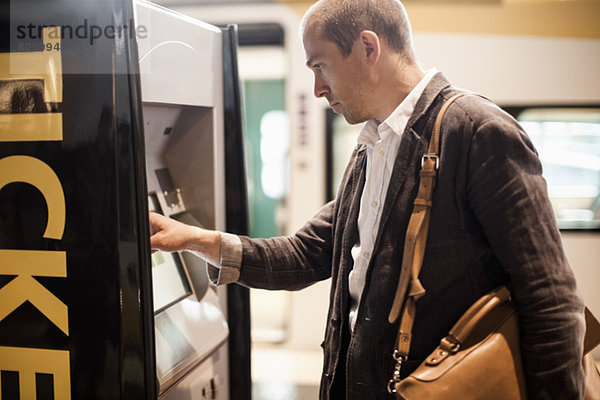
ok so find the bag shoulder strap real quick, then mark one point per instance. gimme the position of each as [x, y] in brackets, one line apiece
[414, 245]
[416, 234]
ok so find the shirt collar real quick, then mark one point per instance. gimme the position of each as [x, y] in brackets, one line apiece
[396, 122]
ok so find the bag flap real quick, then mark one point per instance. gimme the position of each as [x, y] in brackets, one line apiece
[482, 337]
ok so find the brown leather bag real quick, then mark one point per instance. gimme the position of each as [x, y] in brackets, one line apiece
[480, 358]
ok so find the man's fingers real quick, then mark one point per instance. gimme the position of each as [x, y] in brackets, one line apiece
[167, 234]
[155, 223]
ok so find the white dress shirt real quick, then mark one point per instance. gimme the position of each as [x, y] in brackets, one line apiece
[382, 143]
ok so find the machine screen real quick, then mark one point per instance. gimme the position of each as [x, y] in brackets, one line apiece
[169, 281]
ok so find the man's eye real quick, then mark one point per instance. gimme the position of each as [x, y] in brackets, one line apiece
[317, 67]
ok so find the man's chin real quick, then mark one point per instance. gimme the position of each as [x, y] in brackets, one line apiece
[350, 118]
[353, 120]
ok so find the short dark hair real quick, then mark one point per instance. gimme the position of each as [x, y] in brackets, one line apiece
[341, 22]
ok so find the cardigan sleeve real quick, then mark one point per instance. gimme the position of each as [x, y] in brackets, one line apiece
[290, 263]
[508, 196]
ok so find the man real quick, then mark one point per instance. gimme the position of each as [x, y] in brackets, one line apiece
[491, 222]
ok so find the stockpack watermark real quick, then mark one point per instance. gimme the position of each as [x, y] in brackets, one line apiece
[90, 32]
[84, 37]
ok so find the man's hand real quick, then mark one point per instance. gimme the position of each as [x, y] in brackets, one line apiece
[166, 234]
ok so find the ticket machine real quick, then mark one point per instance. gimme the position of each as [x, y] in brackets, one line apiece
[109, 110]
[181, 71]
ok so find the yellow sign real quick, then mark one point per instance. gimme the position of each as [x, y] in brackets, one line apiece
[25, 264]
[28, 362]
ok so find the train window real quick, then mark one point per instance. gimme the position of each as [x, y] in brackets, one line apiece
[568, 143]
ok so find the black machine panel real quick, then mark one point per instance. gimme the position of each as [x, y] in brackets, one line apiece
[76, 318]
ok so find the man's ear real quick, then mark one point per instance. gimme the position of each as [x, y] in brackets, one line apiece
[371, 46]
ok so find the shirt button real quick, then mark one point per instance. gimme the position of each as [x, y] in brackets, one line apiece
[374, 204]
[366, 254]
[380, 152]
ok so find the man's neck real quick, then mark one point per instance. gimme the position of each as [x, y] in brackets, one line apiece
[393, 88]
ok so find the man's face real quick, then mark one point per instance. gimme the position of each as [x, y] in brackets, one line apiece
[340, 80]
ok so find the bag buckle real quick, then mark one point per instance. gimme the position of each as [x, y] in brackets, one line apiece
[431, 156]
[450, 344]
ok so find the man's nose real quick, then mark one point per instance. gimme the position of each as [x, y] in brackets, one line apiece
[321, 89]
